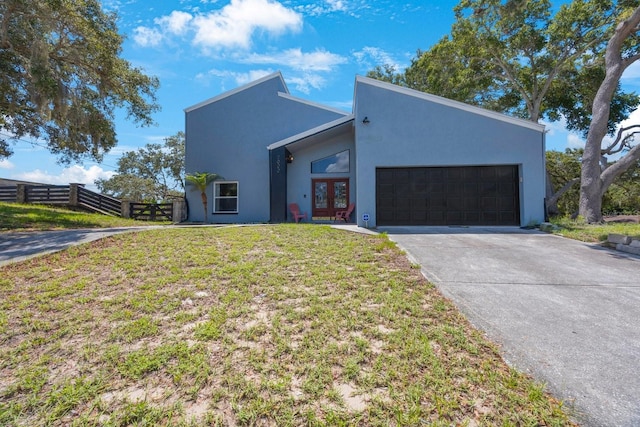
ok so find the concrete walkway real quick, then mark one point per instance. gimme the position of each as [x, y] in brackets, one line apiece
[564, 311]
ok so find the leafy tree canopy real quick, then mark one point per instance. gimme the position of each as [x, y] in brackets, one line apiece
[521, 58]
[150, 174]
[622, 197]
[62, 80]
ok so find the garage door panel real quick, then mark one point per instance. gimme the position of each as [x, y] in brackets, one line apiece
[454, 203]
[437, 201]
[419, 216]
[470, 195]
[471, 204]
[505, 203]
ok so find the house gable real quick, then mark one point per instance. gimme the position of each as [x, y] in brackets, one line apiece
[273, 76]
[360, 80]
[395, 148]
[228, 135]
[406, 131]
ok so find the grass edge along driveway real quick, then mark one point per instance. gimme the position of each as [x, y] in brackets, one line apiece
[265, 325]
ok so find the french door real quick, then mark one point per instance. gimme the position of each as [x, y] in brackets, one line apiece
[329, 196]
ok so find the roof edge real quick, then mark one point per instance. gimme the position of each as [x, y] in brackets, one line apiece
[312, 103]
[244, 87]
[311, 132]
[450, 103]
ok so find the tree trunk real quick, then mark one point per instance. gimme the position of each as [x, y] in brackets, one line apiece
[551, 196]
[592, 187]
[205, 204]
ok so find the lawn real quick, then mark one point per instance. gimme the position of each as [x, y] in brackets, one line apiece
[258, 325]
[594, 233]
[32, 217]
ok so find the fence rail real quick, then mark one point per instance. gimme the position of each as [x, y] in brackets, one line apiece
[75, 195]
[49, 194]
[99, 202]
[151, 212]
[9, 193]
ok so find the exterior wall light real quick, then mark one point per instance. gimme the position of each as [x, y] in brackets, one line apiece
[365, 121]
[289, 158]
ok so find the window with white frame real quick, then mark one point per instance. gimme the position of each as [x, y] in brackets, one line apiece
[225, 197]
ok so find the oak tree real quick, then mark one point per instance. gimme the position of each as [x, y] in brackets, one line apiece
[62, 78]
[153, 173]
[623, 49]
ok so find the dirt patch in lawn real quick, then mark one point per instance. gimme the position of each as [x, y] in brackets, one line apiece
[274, 326]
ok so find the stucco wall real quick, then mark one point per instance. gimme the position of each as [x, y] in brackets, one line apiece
[229, 137]
[299, 174]
[406, 130]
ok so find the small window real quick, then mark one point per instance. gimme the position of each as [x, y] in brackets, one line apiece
[225, 197]
[337, 163]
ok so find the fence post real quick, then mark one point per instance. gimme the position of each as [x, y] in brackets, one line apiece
[73, 194]
[125, 209]
[21, 193]
[177, 211]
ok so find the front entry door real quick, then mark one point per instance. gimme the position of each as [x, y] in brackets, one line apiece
[329, 196]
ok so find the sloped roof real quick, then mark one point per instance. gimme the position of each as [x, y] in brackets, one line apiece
[311, 103]
[337, 124]
[276, 75]
[446, 102]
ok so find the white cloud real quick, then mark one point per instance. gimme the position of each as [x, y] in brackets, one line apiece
[72, 174]
[632, 72]
[634, 119]
[319, 60]
[176, 22]
[553, 128]
[236, 23]
[307, 81]
[238, 78]
[232, 26]
[574, 141]
[147, 37]
[244, 78]
[329, 6]
[371, 56]
[6, 164]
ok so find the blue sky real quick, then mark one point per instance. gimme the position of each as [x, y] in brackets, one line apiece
[200, 48]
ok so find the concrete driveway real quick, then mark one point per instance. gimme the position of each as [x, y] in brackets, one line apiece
[566, 312]
[19, 246]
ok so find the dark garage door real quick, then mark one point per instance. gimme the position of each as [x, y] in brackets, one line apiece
[469, 195]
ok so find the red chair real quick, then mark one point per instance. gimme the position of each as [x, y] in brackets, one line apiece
[295, 212]
[346, 215]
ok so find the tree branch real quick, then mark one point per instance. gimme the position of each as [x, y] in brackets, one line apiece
[611, 149]
[566, 187]
[619, 167]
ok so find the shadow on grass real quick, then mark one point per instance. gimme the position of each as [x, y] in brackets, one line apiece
[29, 217]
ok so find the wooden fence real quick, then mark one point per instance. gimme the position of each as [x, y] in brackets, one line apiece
[98, 202]
[75, 195]
[151, 212]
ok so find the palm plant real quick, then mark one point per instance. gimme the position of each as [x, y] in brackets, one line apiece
[201, 180]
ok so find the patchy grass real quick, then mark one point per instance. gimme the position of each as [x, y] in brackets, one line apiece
[32, 217]
[265, 325]
[594, 233]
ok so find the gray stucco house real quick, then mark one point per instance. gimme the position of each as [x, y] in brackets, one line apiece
[403, 157]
